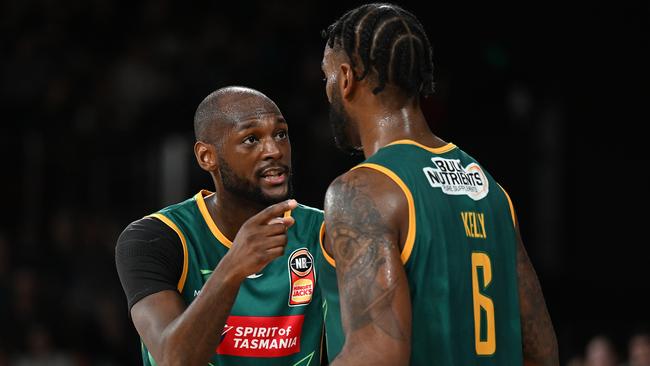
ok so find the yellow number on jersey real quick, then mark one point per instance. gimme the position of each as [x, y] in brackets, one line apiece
[487, 346]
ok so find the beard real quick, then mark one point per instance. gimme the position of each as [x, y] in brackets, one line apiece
[244, 188]
[340, 122]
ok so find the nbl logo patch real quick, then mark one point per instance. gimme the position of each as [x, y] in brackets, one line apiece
[301, 277]
[454, 179]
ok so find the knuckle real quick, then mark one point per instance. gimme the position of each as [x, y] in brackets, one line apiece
[255, 237]
[261, 257]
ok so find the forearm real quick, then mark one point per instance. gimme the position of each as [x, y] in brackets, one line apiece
[192, 338]
[538, 336]
[539, 341]
[352, 359]
[370, 353]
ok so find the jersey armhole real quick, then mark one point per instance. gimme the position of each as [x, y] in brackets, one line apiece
[512, 208]
[410, 236]
[321, 237]
[172, 225]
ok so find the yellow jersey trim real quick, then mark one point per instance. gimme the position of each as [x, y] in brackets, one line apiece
[170, 223]
[321, 236]
[435, 150]
[512, 208]
[410, 237]
[200, 201]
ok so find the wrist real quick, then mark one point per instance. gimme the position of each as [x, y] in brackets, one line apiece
[229, 273]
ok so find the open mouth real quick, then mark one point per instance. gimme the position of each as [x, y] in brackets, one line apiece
[274, 176]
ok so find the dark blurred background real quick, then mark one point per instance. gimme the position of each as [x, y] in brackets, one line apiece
[97, 99]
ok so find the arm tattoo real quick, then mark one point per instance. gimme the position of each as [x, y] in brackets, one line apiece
[539, 342]
[363, 247]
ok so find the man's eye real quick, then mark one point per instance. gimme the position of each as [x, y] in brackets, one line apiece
[249, 140]
[282, 135]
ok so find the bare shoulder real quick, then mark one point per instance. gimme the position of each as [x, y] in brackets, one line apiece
[354, 203]
[360, 187]
[367, 199]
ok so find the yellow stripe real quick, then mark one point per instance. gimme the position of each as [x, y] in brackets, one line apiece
[410, 237]
[435, 150]
[512, 208]
[199, 197]
[168, 222]
[321, 236]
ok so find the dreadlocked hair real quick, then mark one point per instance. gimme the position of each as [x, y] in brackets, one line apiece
[389, 40]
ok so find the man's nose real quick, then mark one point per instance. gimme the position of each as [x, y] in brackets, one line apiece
[271, 150]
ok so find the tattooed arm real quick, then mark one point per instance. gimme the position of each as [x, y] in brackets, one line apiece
[364, 217]
[538, 337]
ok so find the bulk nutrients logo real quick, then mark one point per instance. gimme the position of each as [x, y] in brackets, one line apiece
[454, 179]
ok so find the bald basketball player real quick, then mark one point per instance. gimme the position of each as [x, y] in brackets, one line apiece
[227, 277]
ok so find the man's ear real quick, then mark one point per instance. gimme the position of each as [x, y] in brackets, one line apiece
[206, 156]
[347, 81]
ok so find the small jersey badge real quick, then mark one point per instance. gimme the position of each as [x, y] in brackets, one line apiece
[301, 277]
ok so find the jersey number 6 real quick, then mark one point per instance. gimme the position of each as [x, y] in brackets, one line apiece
[484, 337]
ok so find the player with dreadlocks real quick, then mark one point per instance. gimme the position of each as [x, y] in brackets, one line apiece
[422, 262]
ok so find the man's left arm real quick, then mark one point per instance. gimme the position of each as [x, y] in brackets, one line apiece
[363, 213]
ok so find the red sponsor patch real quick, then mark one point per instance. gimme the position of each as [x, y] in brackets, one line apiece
[261, 336]
[301, 277]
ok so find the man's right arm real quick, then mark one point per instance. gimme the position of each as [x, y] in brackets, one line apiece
[149, 262]
[176, 334]
[180, 335]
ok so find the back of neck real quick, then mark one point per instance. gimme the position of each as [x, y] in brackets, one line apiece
[386, 126]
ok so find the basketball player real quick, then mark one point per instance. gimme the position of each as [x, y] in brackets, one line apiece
[424, 242]
[221, 279]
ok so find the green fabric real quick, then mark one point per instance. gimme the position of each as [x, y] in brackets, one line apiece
[262, 307]
[463, 220]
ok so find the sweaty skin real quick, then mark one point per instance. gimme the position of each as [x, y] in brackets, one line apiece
[364, 235]
[366, 221]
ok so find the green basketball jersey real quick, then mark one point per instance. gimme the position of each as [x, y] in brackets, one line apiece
[459, 257]
[277, 316]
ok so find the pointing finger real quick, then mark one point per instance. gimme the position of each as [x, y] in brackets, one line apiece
[274, 211]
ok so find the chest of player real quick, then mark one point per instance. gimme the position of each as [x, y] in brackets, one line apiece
[287, 282]
[274, 308]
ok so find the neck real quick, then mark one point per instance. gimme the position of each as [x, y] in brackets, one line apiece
[385, 125]
[230, 211]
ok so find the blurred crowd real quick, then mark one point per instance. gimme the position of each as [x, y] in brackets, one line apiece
[60, 303]
[95, 94]
[601, 351]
